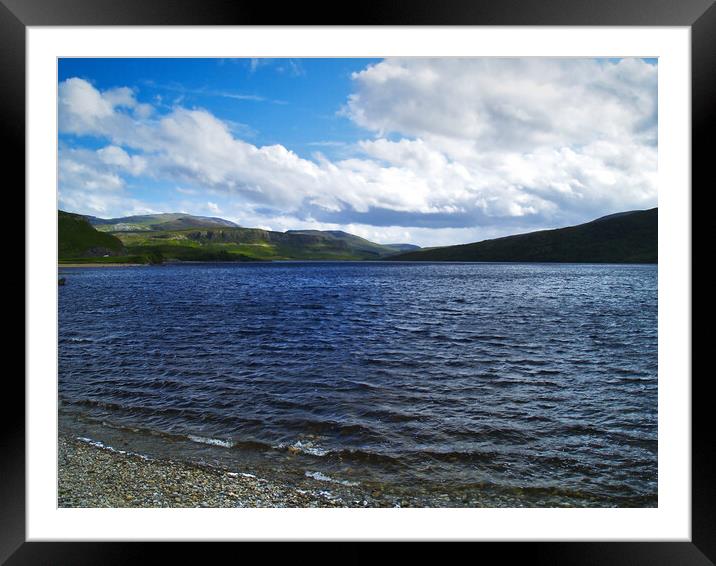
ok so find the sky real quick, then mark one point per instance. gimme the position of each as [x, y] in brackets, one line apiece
[430, 151]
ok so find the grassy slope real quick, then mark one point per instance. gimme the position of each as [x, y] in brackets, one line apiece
[242, 244]
[403, 247]
[621, 238]
[77, 239]
[165, 221]
[355, 243]
[186, 237]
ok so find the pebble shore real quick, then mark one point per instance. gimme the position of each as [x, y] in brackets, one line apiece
[92, 475]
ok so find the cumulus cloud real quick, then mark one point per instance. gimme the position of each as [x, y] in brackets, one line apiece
[80, 169]
[116, 156]
[93, 182]
[193, 146]
[472, 147]
[506, 104]
[566, 138]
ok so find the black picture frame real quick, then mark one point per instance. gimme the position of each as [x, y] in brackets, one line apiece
[16, 15]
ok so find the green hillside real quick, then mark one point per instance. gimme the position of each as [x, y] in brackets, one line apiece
[165, 221]
[77, 239]
[242, 244]
[185, 237]
[355, 243]
[403, 247]
[627, 237]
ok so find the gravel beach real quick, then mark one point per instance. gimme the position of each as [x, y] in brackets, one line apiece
[92, 475]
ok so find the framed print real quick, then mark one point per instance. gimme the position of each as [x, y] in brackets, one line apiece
[388, 279]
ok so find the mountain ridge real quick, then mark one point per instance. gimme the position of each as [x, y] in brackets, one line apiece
[159, 221]
[623, 237]
[185, 237]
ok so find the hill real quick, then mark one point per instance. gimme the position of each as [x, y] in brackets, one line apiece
[403, 247]
[626, 237]
[356, 243]
[184, 237]
[77, 239]
[242, 244]
[164, 221]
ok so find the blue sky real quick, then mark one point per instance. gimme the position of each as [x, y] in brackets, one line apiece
[430, 151]
[289, 102]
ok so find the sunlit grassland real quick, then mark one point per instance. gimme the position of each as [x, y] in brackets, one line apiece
[249, 245]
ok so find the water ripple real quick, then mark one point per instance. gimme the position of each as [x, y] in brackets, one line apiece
[536, 378]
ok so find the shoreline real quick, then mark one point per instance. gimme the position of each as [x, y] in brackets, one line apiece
[370, 261]
[91, 474]
[62, 265]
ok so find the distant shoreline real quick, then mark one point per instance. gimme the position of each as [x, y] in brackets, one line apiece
[60, 265]
[367, 261]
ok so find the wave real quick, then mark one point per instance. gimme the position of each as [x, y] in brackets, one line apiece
[323, 477]
[307, 447]
[213, 441]
[103, 446]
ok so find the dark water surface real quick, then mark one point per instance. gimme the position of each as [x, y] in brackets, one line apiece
[460, 384]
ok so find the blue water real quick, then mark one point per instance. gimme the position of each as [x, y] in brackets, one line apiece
[467, 384]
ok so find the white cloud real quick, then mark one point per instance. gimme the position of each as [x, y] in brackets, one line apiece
[247, 216]
[143, 110]
[116, 156]
[569, 137]
[103, 205]
[81, 106]
[78, 173]
[507, 104]
[122, 96]
[470, 146]
[92, 182]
